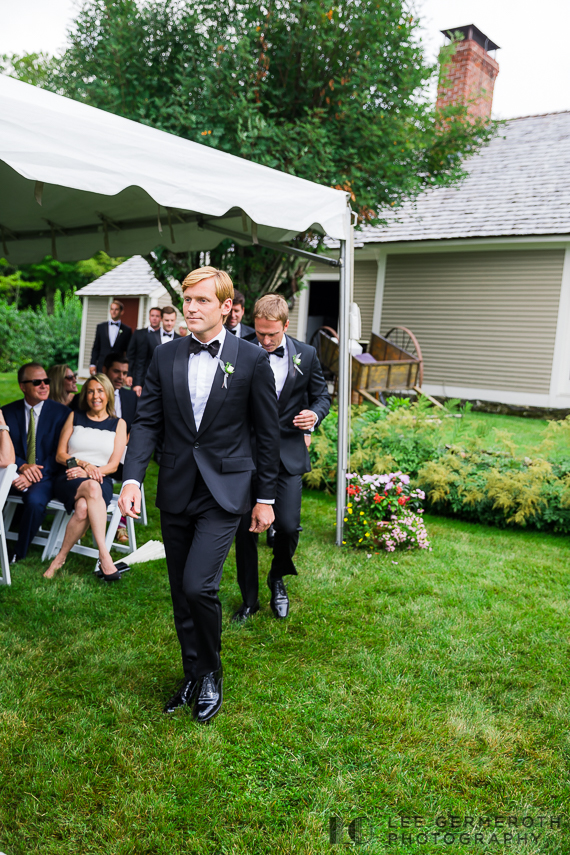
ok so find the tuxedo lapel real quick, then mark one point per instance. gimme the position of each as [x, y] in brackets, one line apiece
[290, 381]
[180, 380]
[218, 392]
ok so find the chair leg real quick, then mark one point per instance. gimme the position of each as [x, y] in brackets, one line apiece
[112, 527]
[50, 548]
[131, 533]
[5, 578]
[144, 518]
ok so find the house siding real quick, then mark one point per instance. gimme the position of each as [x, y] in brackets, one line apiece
[483, 319]
[364, 293]
[97, 312]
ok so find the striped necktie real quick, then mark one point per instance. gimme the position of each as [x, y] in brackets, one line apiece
[31, 455]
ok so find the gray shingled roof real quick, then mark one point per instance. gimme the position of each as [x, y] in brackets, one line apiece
[132, 277]
[518, 185]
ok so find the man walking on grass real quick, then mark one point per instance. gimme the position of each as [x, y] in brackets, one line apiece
[212, 394]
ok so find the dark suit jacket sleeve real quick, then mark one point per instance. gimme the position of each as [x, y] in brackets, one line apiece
[127, 336]
[265, 423]
[142, 359]
[132, 352]
[319, 398]
[96, 350]
[147, 426]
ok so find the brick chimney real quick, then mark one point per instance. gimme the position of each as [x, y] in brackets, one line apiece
[471, 73]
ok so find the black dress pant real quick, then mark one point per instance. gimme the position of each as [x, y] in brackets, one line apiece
[197, 543]
[287, 510]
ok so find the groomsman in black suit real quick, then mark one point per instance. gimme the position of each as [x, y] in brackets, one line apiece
[213, 395]
[235, 322]
[151, 341]
[304, 402]
[138, 348]
[35, 424]
[110, 336]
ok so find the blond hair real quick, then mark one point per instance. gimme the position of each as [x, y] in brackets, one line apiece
[224, 285]
[109, 391]
[57, 391]
[272, 307]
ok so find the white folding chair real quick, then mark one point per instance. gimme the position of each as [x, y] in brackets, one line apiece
[6, 477]
[43, 538]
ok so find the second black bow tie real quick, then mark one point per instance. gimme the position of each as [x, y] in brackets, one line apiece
[196, 346]
[279, 351]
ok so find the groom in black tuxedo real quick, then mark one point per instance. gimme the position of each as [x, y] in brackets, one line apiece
[304, 402]
[212, 394]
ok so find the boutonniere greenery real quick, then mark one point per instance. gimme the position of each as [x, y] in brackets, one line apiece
[297, 362]
[228, 370]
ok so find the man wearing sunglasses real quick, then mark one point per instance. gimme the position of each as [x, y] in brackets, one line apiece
[35, 424]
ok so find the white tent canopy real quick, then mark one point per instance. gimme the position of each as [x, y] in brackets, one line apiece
[74, 180]
[102, 173]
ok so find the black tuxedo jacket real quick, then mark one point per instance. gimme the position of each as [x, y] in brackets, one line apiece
[221, 450]
[247, 333]
[102, 344]
[48, 430]
[129, 403]
[306, 391]
[146, 344]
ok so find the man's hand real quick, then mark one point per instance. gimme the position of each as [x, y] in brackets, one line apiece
[261, 517]
[129, 381]
[32, 471]
[21, 483]
[137, 390]
[130, 501]
[93, 369]
[305, 420]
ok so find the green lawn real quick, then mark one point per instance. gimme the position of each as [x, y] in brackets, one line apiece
[9, 389]
[414, 684]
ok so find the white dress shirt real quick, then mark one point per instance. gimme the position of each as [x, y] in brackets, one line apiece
[201, 372]
[236, 330]
[114, 327]
[118, 408]
[37, 408]
[167, 336]
[280, 368]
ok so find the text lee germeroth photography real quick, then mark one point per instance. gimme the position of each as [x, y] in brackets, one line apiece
[416, 831]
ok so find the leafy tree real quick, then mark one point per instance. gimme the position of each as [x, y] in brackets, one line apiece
[335, 94]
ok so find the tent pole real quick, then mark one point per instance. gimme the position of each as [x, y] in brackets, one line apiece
[344, 373]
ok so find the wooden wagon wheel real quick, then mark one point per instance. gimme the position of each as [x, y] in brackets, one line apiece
[405, 339]
[315, 338]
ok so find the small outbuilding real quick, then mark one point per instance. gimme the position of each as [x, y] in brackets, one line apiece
[135, 285]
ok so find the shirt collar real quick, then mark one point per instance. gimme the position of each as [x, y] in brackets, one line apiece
[37, 407]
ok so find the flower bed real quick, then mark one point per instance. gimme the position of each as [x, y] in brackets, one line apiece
[384, 513]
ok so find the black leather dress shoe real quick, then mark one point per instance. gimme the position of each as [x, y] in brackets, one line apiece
[244, 612]
[184, 694]
[209, 696]
[279, 601]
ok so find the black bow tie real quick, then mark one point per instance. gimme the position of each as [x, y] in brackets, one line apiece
[115, 323]
[196, 346]
[167, 334]
[233, 332]
[279, 351]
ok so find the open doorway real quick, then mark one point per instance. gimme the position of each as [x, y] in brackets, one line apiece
[323, 305]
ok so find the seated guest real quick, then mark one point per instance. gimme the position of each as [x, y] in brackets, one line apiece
[116, 368]
[63, 384]
[235, 319]
[35, 424]
[7, 453]
[91, 444]
[111, 335]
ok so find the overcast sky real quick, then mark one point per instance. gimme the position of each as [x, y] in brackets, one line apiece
[533, 36]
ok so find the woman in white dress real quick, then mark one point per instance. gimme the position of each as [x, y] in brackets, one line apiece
[91, 445]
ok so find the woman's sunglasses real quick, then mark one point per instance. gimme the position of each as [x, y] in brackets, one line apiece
[44, 380]
[70, 377]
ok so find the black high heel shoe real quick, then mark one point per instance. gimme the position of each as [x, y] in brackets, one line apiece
[108, 577]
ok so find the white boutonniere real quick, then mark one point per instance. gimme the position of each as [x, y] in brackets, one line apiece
[228, 370]
[297, 362]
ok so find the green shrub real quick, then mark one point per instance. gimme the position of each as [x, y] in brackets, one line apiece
[34, 335]
[466, 470]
